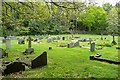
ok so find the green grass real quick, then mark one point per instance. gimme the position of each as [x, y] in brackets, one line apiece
[66, 62]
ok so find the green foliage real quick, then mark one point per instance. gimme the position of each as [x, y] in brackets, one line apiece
[107, 7]
[47, 18]
[94, 18]
[112, 20]
[25, 23]
[35, 27]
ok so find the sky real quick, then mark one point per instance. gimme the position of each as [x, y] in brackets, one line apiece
[113, 2]
[99, 2]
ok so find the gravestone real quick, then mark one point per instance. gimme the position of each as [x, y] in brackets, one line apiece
[76, 44]
[40, 38]
[63, 38]
[92, 46]
[50, 48]
[58, 38]
[14, 67]
[49, 40]
[3, 40]
[8, 43]
[70, 38]
[83, 40]
[23, 37]
[54, 38]
[29, 49]
[21, 41]
[77, 36]
[1, 71]
[13, 38]
[71, 45]
[35, 39]
[39, 61]
[63, 44]
[3, 53]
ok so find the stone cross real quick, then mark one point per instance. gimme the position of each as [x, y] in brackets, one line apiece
[29, 42]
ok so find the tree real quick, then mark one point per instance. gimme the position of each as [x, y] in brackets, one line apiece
[94, 18]
[112, 21]
[107, 7]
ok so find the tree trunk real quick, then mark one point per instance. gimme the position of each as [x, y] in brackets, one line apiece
[101, 36]
[114, 42]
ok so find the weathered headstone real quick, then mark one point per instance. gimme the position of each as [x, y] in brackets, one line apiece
[39, 61]
[3, 53]
[76, 44]
[58, 38]
[71, 45]
[77, 36]
[70, 37]
[1, 72]
[83, 40]
[50, 48]
[21, 41]
[14, 67]
[3, 40]
[35, 39]
[92, 46]
[41, 37]
[13, 38]
[8, 43]
[63, 38]
[49, 40]
[54, 38]
[29, 42]
[63, 45]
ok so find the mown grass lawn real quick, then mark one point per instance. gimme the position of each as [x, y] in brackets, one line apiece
[66, 62]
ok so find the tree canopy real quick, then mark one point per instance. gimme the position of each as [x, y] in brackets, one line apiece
[30, 18]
